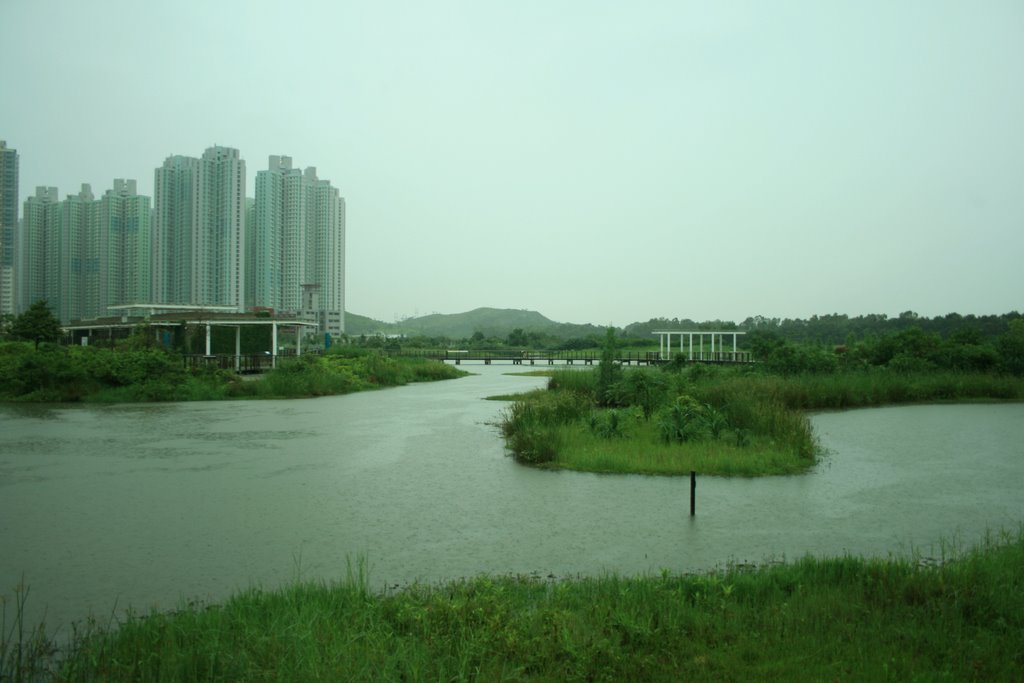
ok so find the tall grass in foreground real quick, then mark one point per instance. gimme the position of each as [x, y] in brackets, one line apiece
[958, 618]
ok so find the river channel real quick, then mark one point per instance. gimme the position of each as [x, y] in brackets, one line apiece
[108, 507]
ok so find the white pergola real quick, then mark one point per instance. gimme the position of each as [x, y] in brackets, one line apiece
[665, 342]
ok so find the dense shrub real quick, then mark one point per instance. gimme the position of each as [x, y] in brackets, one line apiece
[608, 424]
[531, 425]
[608, 371]
[423, 370]
[641, 387]
[530, 437]
[1011, 349]
[681, 420]
[56, 373]
[142, 373]
[123, 368]
[581, 382]
[309, 376]
[793, 359]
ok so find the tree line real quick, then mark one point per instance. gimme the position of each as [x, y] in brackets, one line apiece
[836, 328]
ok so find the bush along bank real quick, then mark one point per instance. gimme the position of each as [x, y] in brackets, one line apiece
[730, 421]
[343, 371]
[54, 373]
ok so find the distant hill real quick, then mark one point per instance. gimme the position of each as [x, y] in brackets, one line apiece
[832, 328]
[356, 325]
[491, 322]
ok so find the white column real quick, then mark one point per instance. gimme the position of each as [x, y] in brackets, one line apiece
[208, 339]
[691, 345]
[661, 345]
[298, 340]
[273, 344]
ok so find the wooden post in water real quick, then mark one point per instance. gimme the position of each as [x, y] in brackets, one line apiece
[693, 493]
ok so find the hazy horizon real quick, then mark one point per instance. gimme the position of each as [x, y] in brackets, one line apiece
[592, 161]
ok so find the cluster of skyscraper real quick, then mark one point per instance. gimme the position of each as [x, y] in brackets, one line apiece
[200, 242]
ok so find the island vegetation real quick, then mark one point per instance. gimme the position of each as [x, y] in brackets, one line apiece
[747, 420]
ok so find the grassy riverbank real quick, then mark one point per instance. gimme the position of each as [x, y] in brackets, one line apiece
[714, 420]
[61, 374]
[959, 617]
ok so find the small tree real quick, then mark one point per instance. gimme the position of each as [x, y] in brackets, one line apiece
[141, 338]
[641, 388]
[36, 324]
[609, 371]
[517, 338]
[1011, 348]
[6, 320]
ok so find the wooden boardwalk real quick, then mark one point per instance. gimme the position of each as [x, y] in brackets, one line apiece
[253, 363]
[488, 356]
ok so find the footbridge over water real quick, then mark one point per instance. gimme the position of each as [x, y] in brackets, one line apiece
[699, 346]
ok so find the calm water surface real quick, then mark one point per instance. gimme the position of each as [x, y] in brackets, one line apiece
[146, 505]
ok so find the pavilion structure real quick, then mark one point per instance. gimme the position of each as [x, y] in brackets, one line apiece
[700, 353]
[170, 315]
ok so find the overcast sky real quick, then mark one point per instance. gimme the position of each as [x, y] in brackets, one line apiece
[603, 162]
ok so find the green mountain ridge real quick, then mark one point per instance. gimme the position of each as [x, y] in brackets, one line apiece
[833, 328]
[491, 322]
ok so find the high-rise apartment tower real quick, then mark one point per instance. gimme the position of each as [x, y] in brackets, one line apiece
[199, 230]
[296, 245]
[83, 255]
[8, 226]
[38, 266]
[125, 272]
[74, 257]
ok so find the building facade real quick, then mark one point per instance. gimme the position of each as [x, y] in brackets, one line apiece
[199, 242]
[74, 256]
[38, 246]
[124, 246]
[264, 235]
[325, 258]
[199, 230]
[8, 227]
[296, 245]
[83, 255]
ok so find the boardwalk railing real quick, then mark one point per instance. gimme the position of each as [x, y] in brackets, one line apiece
[246, 363]
[250, 363]
[487, 356]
